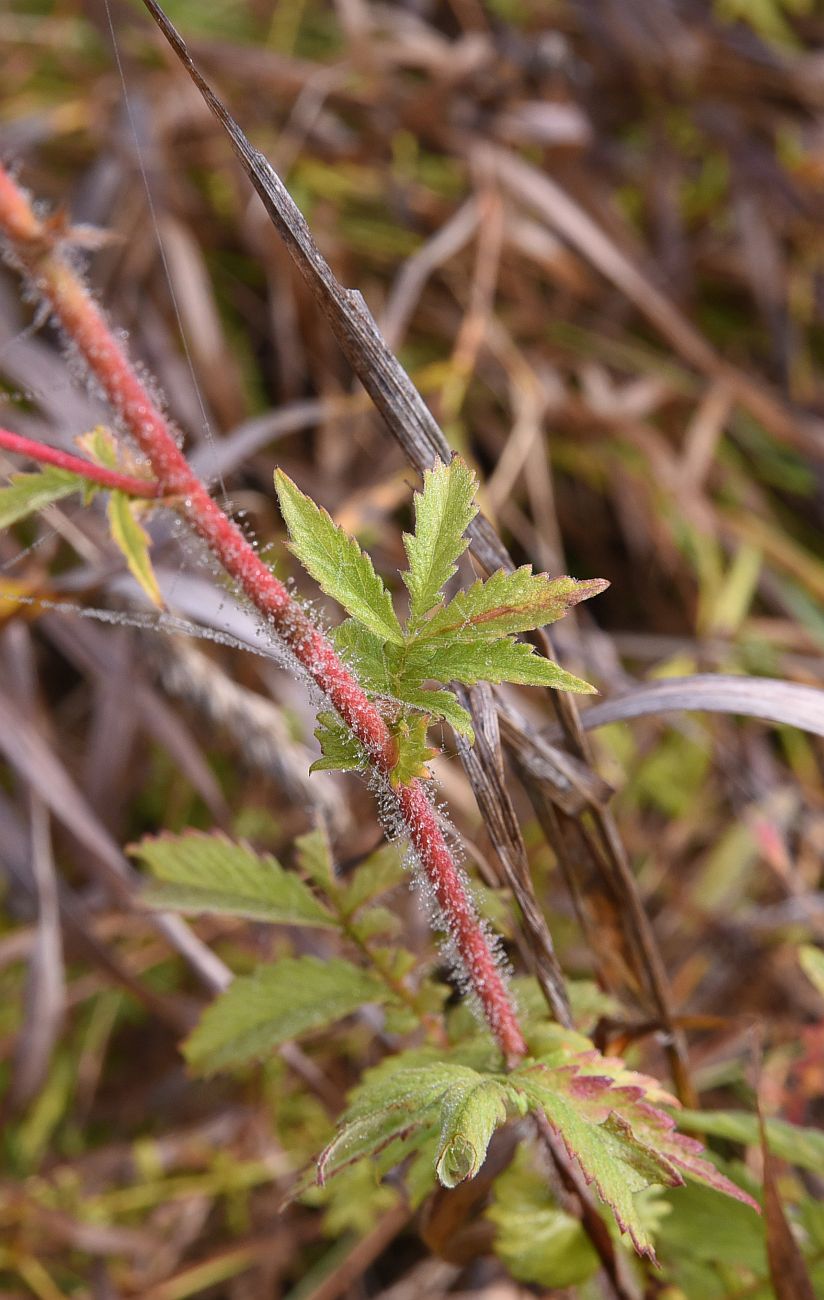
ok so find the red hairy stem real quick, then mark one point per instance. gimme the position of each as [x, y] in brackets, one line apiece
[34, 244]
[107, 478]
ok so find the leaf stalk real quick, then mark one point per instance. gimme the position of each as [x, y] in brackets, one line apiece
[100, 474]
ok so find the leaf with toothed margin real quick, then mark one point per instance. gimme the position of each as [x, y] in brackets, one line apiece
[643, 1100]
[283, 1001]
[342, 751]
[28, 493]
[440, 704]
[603, 1113]
[464, 1105]
[488, 661]
[413, 751]
[336, 562]
[201, 873]
[380, 669]
[507, 603]
[608, 1120]
[372, 660]
[590, 1123]
[443, 512]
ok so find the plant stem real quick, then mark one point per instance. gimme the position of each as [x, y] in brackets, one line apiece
[34, 244]
[107, 478]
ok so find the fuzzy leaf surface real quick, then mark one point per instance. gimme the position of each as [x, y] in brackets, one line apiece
[440, 704]
[28, 493]
[489, 661]
[602, 1112]
[413, 751]
[336, 562]
[278, 1003]
[609, 1154]
[642, 1099]
[462, 1104]
[443, 511]
[209, 873]
[133, 541]
[507, 603]
[471, 1109]
[342, 751]
[374, 663]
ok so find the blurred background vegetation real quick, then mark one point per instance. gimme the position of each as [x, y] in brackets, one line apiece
[593, 232]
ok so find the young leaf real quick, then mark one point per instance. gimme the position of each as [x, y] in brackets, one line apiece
[405, 1101]
[133, 541]
[413, 751]
[208, 873]
[336, 562]
[101, 446]
[342, 751]
[380, 668]
[489, 661]
[443, 511]
[279, 1002]
[441, 704]
[28, 493]
[471, 1110]
[507, 603]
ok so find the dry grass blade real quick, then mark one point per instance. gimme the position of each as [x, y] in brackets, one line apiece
[786, 703]
[46, 990]
[29, 754]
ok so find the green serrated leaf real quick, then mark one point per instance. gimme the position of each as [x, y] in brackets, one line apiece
[100, 446]
[399, 1100]
[489, 661]
[336, 562]
[443, 511]
[440, 704]
[374, 663]
[314, 858]
[133, 541]
[28, 493]
[383, 870]
[507, 603]
[209, 873]
[342, 751]
[413, 751]
[376, 921]
[609, 1154]
[471, 1110]
[538, 1242]
[278, 1003]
